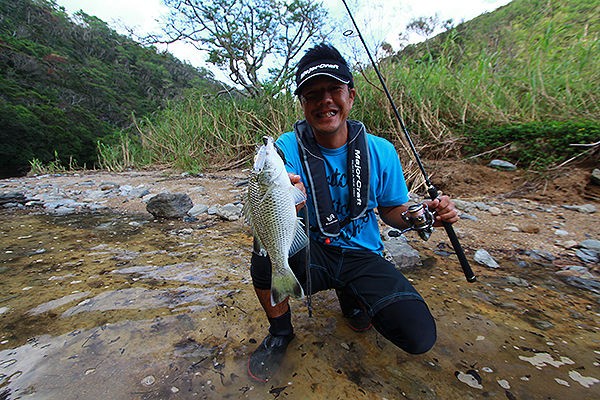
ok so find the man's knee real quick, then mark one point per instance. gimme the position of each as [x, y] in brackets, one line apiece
[408, 324]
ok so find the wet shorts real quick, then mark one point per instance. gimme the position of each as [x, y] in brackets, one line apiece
[371, 278]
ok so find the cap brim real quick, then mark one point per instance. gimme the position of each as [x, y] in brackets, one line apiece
[316, 74]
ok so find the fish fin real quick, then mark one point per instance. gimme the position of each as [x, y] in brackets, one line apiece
[246, 212]
[298, 195]
[284, 285]
[258, 248]
[300, 239]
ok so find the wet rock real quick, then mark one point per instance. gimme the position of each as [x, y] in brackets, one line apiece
[399, 252]
[540, 255]
[495, 211]
[12, 197]
[588, 256]
[513, 280]
[530, 228]
[484, 258]
[229, 212]
[543, 325]
[197, 209]
[169, 205]
[134, 192]
[502, 165]
[584, 208]
[582, 283]
[575, 270]
[591, 244]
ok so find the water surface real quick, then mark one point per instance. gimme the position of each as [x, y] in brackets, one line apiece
[122, 307]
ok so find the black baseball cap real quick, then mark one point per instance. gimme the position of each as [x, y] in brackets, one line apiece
[332, 68]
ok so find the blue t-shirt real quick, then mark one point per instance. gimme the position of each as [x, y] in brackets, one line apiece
[387, 188]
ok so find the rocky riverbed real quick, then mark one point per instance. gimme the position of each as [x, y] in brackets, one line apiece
[102, 299]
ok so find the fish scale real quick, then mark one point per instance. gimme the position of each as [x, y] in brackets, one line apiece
[270, 209]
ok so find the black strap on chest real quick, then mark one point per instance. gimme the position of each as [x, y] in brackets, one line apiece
[357, 172]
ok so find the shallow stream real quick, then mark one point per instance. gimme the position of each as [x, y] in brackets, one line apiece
[108, 306]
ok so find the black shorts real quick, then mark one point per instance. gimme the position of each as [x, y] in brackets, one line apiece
[371, 278]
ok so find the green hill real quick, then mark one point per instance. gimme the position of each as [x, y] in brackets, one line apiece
[66, 83]
[526, 75]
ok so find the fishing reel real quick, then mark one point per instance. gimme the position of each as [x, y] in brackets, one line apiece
[418, 218]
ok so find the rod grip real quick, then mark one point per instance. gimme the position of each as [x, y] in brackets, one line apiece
[464, 263]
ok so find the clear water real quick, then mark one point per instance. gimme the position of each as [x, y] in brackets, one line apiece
[120, 307]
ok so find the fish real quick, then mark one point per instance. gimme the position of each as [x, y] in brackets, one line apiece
[270, 209]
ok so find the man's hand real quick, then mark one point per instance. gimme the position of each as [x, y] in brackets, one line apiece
[444, 210]
[295, 179]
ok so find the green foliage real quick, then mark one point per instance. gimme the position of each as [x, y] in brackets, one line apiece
[539, 144]
[530, 64]
[200, 132]
[66, 84]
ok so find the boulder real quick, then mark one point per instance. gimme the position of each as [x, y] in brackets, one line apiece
[169, 205]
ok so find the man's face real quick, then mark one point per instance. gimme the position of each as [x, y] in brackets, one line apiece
[326, 103]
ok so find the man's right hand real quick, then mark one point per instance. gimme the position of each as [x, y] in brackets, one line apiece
[297, 182]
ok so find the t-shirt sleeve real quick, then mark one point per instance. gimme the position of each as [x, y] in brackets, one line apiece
[392, 190]
[287, 145]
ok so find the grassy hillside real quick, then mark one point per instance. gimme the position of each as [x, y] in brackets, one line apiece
[66, 84]
[526, 74]
[522, 80]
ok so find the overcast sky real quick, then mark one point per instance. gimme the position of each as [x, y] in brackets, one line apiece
[378, 20]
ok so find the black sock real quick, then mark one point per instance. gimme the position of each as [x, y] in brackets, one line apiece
[282, 325]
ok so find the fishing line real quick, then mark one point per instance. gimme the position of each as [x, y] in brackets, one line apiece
[431, 189]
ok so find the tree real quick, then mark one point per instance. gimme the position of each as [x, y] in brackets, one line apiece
[247, 38]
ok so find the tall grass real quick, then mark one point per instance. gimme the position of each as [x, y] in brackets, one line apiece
[449, 93]
[200, 132]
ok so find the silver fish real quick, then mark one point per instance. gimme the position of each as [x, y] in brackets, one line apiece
[270, 208]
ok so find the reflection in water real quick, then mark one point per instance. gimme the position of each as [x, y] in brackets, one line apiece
[119, 307]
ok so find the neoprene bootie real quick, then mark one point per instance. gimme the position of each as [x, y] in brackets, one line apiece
[264, 362]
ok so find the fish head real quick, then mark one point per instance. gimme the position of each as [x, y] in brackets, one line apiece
[267, 162]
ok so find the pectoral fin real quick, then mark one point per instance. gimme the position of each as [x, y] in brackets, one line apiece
[300, 239]
[298, 195]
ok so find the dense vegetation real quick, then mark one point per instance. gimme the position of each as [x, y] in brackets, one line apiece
[522, 80]
[519, 83]
[65, 84]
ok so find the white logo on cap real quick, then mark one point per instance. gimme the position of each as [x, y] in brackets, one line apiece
[311, 69]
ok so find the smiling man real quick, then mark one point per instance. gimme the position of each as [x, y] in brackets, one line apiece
[347, 174]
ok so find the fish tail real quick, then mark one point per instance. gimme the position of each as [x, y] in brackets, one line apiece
[283, 285]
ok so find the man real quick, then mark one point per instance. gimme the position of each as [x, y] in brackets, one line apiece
[347, 174]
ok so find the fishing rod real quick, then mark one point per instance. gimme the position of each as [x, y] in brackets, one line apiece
[431, 189]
